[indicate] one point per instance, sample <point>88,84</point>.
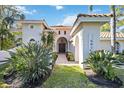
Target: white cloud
<point>68,20</point>
<point>25,10</point>
<point>58,7</point>
<point>97,10</point>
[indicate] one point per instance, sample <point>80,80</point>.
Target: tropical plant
<point>106,27</point>
<point>33,63</point>
<point>102,62</point>
<point>119,58</point>
<point>54,56</point>
<point>70,56</point>
<point>8,43</point>
<point>8,14</point>
<point>48,39</point>
<point>17,41</point>
<point>122,52</point>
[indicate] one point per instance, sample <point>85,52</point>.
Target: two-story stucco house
<point>80,39</point>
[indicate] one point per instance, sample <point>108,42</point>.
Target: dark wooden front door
<point>61,48</point>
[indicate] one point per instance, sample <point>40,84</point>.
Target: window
<point>64,32</point>
<point>59,32</point>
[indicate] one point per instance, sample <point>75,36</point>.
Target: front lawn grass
<point>67,77</point>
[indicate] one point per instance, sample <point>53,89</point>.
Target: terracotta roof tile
<point>108,35</point>
<point>94,15</point>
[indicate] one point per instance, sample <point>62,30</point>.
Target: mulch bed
<point>100,81</point>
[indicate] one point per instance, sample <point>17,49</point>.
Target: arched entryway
<point>77,48</point>
<point>62,45</point>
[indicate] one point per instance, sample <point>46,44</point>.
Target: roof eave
<point>88,19</point>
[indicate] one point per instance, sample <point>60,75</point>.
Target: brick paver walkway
<point>62,60</point>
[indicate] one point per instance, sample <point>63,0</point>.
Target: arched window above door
<point>32,40</point>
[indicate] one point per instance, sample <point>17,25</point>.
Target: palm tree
<point>113,25</point>
<point>8,14</point>
<point>113,29</point>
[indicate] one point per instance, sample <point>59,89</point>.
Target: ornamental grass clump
<point>32,62</point>
<point>102,62</point>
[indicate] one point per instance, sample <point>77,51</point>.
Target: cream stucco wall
<point>78,45</point>
<point>57,36</point>
<point>91,32</point>
<point>31,33</point>
<point>106,45</point>
<point>86,32</point>
<point>84,39</point>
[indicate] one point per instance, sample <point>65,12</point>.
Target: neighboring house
<point>80,39</point>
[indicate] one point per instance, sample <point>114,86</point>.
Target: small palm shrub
<point>54,55</point>
<point>119,58</point>
<point>102,62</point>
<point>122,52</point>
<point>32,62</point>
<point>70,56</point>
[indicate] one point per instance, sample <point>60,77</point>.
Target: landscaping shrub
<point>54,56</point>
<point>122,52</point>
<point>70,56</point>
<point>3,84</point>
<point>102,62</point>
<point>32,62</point>
<point>119,58</point>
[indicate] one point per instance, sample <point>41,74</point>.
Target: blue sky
<point>59,15</point>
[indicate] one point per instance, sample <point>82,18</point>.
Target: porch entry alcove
<point>62,45</point>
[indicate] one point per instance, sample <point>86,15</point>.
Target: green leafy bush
<point>32,62</point>
<point>70,56</point>
<point>54,55</point>
<point>119,58</point>
<point>3,67</point>
<point>122,52</point>
<point>102,62</point>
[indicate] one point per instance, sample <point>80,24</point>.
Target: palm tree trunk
<point>113,30</point>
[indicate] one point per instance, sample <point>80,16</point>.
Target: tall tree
<point>47,39</point>
<point>113,29</point>
<point>115,10</point>
<point>8,14</point>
